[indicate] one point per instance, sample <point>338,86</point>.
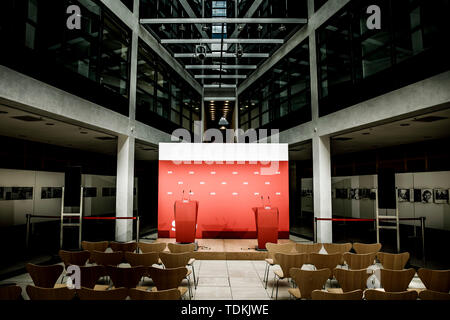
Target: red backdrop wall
<point>226,195</point>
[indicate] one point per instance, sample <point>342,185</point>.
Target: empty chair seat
<point>182,248</point>
<point>433,295</point>
<point>177,260</point>
<point>90,274</point>
<point>38,293</point>
<point>351,280</point>
<point>363,248</point>
<point>107,258</point>
<point>165,279</point>
<point>435,280</point>
<point>325,261</point>
<point>113,294</point>
<point>152,247</point>
<point>10,292</point>
<point>287,261</point>
<point>372,294</point>
<point>44,276</point>
<point>396,280</point>
<point>325,295</point>
<point>142,259</point>
<point>97,246</point>
<point>126,277</point>
<point>170,294</point>
<point>307,281</point>
<point>273,248</point>
<point>332,248</point>
<point>123,246</point>
<point>393,261</point>
<point>308,247</point>
<point>359,261</point>
<point>78,258</point>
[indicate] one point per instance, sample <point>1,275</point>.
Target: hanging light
<point>223,122</point>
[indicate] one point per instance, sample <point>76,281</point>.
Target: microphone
<point>262,200</point>
<point>190,192</point>
<point>182,197</point>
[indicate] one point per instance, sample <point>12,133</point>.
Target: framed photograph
<point>373,194</point>
<point>403,195</point>
<point>427,195</point>
<point>354,194</point>
<point>341,194</point>
<point>440,195</point>
<point>364,194</point>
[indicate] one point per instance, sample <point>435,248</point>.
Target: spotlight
<point>205,27</point>
<point>260,28</point>
<point>182,28</point>
<point>200,52</point>
<point>162,28</point>
<point>239,52</point>
<point>282,28</point>
<point>241,27</point>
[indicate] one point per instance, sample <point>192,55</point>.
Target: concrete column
<point>322,187</point>
<point>133,63</point>
<point>125,187</point>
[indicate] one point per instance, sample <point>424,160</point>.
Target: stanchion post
<point>137,232</point>
<point>422,225</point>
<point>315,230</point>
<point>27,238</point>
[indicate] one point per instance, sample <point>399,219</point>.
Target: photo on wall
<point>354,194</point>
<point>427,196</point>
<point>440,195</point>
<point>341,194</point>
<point>364,194</point>
<point>417,195</point>
<point>403,195</point>
<point>373,194</point>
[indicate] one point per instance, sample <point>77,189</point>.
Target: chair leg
<point>264,278</point>
<point>189,288</point>
<point>276,297</point>
<point>195,280</point>
<point>273,285</point>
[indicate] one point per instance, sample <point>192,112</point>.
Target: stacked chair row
<point>394,278</point>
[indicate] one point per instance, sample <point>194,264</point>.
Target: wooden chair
<point>97,246</point>
<point>10,292</point>
<point>107,258</point>
<point>393,261</point>
<point>396,280</point>
<point>307,281</point>
<point>273,248</point>
<point>44,276</point>
<point>38,293</point>
<point>177,260</point>
<point>325,295</point>
<point>359,261</point>
<point>433,295</point>
<point>308,248</point>
<point>332,248</point>
<point>325,261</point>
<point>363,248</point>
<point>165,279</point>
<point>286,262</point>
<point>142,259</point>
<point>90,275</point>
<point>372,294</point>
<point>78,258</point>
<point>170,294</point>
<point>113,294</point>
<point>351,280</point>
<point>126,277</point>
<point>435,280</point>
<point>123,246</point>
<point>152,247</point>
<point>182,248</point>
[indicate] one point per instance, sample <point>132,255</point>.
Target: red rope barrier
<point>85,218</point>
<point>359,219</point>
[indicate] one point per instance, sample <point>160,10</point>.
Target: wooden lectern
<point>185,220</point>
<point>266,225</point>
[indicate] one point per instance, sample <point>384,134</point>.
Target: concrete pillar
<point>322,187</point>
<point>125,187</point>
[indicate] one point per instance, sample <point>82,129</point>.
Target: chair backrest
<point>165,279</point>
<point>90,275</point>
<point>359,261</point>
<point>435,280</point>
<point>175,260</point>
<point>107,258</point>
<point>44,276</point>
<point>362,248</point>
<point>325,295</point>
<point>97,246</point>
<point>123,246</point>
<point>10,292</point>
<point>393,261</point>
<point>38,293</point>
<point>290,260</point>
<point>152,247</point>
<point>142,259</point>
<point>372,294</point>
<point>273,248</point>
<point>126,277</point>
<point>309,280</point>
<point>332,248</point>
<point>113,294</point>
<point>325,261</point>
<point>433,295</point>
<point>396,280</point>
<point>308,247</point>
<point>351,280</point>
<point>181,248</point>
<point>78,258</point>
<point>170,294</point>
